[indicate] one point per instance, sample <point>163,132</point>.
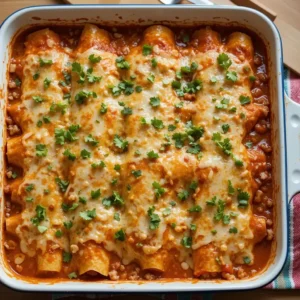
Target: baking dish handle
<point>293,145</point>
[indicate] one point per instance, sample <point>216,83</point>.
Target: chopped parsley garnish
<point>179,104</point>
<point>36,76</point>
<point>171,127</point>
<point>190,88</point>
<point>91,140</point>
<point>95,194</point>
<point>154,101</point>
<point>122,63</point>
<point>252,78</point>
<point>231,76</point>
<point>117,216</point>
<point>68,207</point>
<point>71,156</point>
<point>41,150</point>
<point>158,189</point>
<point>29,188</point>
<point>42,229</point>
<point>224,145</point>
<point>85,154</point>
<point>72,275</point>
<point>103,109</point>
<point>176,84</point>
<point>193,186</point>
<point>46,119</point>
<point>247,260</point>
<point>45,62</point>
<point>114,200</point>
<point>193,227</point>
<point>40,215</point>
<point>114,181</point>
<point>243,199</point>
<point>38,99</point>
<point>166,212</point>
<point>120,235</point>
<point>233,230</point>
<point>100,164</point>
<point>59,106</point>
<point>183,195</point>
<point>138,89</point>
<point>157,124</point>
<point>152,154</point>
<point>18,82</point>
<point>249,144</point>
<point>126,111</point>
<point>67,256</point>
<point>61,135</point>
<point>223,104</point>
<point>83,95</point>
<point>94,59</point>
<point>214,232</point>
<point>225,128</point>
<point>125,87</point>
<point>154,62</point>
<point>63,184</point>
<point>82,200</point>
<point>117,167</point>
<point>120,143</point>
<point>29,199</point>
<point>213,79</point>
<point>231,189</point>
<point>88,215</point>
<point>92,78</point>
<point>46,83</point>
<point>136,173</point>
<point>224,61</point>
<point>151,78</point>
<point>154,218</point>
<point>244,100</point>
<point>194,148</point>
<point>219,215</point>
<point>195,208</point>
<point>189,69</point>
<point>212,202</point>
<point>187,242</point>
<point>58,233</point>
<point>147,50</point>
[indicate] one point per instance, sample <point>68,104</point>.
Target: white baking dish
<point>175,15</point>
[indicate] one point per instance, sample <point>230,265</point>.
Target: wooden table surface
<point>9,6</point>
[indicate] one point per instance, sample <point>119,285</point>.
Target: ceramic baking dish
<point>285,183</point>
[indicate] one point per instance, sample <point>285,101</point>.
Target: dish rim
<point>160,286</point>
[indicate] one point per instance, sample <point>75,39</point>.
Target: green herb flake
<point>154,218</point>
<point>195,208</point>
<point>154,101</point>
<point>122,63</point>
<point>224,61</point>
<point>94,59</point>
<point>231,189</point>
<point>186,242</point>
<point>183,195</point>
<point>158,189</point>
<point>244,100</point>
<point>95,194</point>
<point>88,215</point>
<point>41,150</point>
<point>147,50</point>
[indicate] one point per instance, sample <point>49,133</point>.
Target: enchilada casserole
<point>138,154</point>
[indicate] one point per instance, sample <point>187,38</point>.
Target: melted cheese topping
<point>147,172</point>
